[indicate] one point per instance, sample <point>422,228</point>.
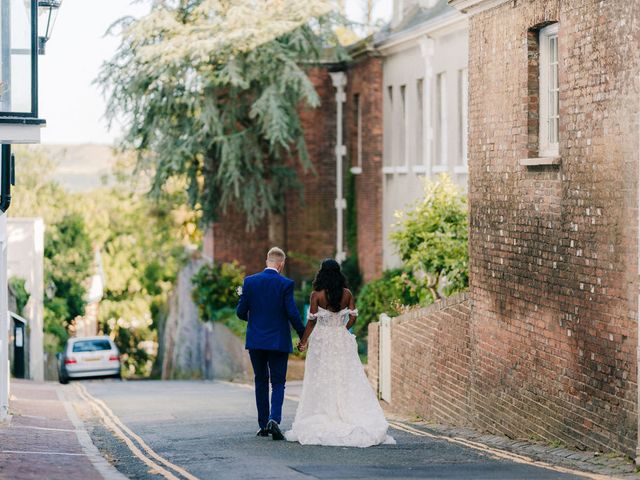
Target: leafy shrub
<point>215,289</point>
<point>396,289</point>
<point>301,296</point>
<point>432,237</point>
<point>351,270</point>
<point>19,291</point>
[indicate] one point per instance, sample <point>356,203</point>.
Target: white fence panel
<point>385,357</point>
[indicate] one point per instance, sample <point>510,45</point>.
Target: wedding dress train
<point>338,406</point>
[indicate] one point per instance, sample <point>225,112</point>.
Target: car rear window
<point>91,346</point>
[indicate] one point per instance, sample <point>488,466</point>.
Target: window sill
<point>390,170</point>
<point>439,168</point>
<point>540,161</point>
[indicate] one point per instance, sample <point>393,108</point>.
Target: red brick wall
<point>231,241</point>
<point>310,221</point>
<point>365,80</point>
<point>430,361</point>
<point>311,224</point>
<point>554,249</point>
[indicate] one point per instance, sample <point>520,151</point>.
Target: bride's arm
<point>353,313</point>
<point>311,321</point>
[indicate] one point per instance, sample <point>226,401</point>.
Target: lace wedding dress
<point>338,406</point>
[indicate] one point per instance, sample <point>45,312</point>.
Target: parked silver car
<point>89,357</point>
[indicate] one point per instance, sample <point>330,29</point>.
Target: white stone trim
<point>19,133</point>
<point>435,28</point>
<point>472,7</point>
<point>539,161</point>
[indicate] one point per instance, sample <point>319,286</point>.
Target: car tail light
<point>114,358</point>
<point>70,360</point>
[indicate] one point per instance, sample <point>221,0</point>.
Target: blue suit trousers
<point>269,366</point>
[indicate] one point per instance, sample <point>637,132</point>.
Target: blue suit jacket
<point>267,305</point>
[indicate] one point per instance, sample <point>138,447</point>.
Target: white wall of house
<point>425,112</point>
<point>26,260</point>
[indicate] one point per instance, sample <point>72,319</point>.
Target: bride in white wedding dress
<point>338,406</point>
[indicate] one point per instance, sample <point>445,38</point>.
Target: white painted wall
<point>26,260</point>
<point>405,63</point>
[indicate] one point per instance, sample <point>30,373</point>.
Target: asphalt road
<point>208,429</point>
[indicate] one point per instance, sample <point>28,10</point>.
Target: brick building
<point>364,142</point>
<point>424,54</point>
<point>308,228</point>
<point>545,345</point>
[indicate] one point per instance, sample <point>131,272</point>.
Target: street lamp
<point>47,13</point>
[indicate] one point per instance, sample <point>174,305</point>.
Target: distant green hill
<point>81,167</point>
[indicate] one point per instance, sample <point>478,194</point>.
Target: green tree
<point>143,247</point>
<point>68,258</point>
<point>431,238</point>
<point>211,93</point>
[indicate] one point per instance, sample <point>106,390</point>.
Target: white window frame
<point>548,87</point>
<point>421,132</point>
<point>440,160</point>
<point>387,166</point>
<point>463,119</point>
<point>403,140</point>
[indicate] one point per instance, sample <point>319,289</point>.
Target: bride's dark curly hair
<point>331,280</point>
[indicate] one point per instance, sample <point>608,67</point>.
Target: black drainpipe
<point>7,177</point>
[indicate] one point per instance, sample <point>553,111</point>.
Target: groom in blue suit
<point>267,304</point>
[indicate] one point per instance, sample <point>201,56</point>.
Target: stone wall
<point>194,349</point>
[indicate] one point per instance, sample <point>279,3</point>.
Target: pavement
<point>45,438</point>
<point>206,430</point>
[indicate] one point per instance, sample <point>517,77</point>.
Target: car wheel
<point>118,375</point>
<point>63,377</point>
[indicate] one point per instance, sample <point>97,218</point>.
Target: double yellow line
<point>136,444</point>
<point>496,453</point>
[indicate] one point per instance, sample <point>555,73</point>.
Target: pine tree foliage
<point>210,91</point>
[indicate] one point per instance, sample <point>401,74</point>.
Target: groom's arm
<point>292,310</point>
<point>242,310</point>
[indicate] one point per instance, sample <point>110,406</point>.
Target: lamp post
<point>47,14</point>
<point>19,123</point>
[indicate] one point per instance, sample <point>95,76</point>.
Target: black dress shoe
<point>263,432</point>
<point>274,430</point>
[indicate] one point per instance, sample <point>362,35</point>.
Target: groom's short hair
<point>276,255</point>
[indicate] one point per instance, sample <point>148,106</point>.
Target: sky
<point>69,101</point>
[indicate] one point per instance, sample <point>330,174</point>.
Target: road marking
<point>104,468</point>
<point>128,436</point>
<point>496,453</point>
<point>29,452</point>
<point>29,427</point>
<point>493,452</point>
